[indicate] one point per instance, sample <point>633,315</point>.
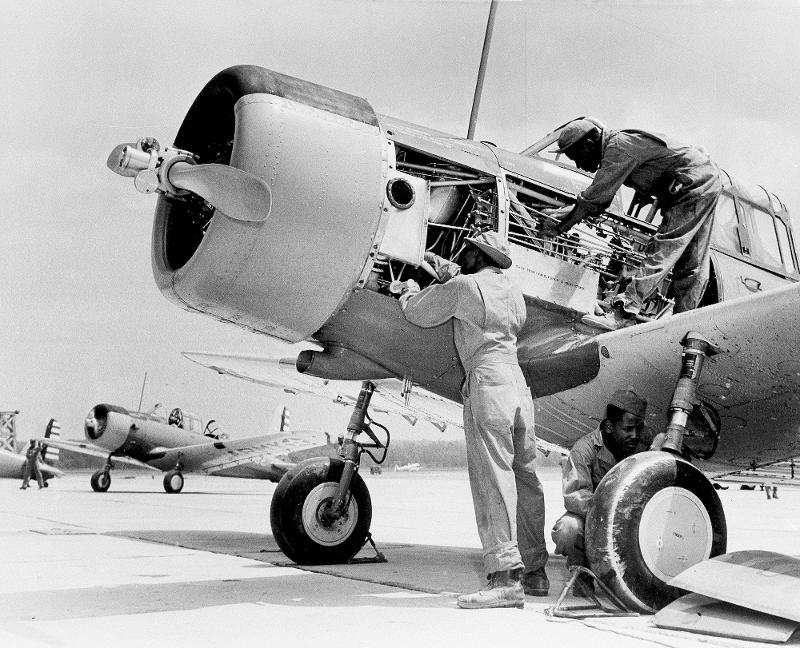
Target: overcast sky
<point>81,319</point>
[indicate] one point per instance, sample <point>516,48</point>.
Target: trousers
<point>31,469</point>
<point>501,448</point>
<point>569,535</point>
<point>681,244</point>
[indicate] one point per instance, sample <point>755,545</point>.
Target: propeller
<point>236,193</point>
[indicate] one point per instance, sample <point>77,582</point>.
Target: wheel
<point>173,481</point>
<point>295,514</point>
<point>652,516</point>
<point>46,485</point>
<point>100,481</point>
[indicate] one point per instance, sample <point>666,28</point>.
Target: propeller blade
<point>237,194</point>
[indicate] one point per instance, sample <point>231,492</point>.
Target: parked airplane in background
<point>409,467</point>
<point>178,443</point>
<point>11,463</point>
<point>296,211</point>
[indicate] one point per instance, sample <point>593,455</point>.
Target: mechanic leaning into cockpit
<point>619,435</point>
<point>684,180</point>
<point>488,312</point>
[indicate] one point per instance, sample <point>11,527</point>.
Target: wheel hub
<point>319,524</point>
<point>675,532</point>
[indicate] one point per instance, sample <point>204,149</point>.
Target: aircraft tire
<point>100,481</point>
<point>173,481</point>
<point>652,516</point>
<point>294,514</point>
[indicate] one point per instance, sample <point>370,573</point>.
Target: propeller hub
<point>238,194</point>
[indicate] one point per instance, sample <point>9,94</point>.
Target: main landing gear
<point>654,514</point>
<point>101,479</point>
<point>321,510</point>
<point>173,479</point>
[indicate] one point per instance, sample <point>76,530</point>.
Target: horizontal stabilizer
<point>703,615</point>
<point>764,581</point>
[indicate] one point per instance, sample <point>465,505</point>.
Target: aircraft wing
<point>753,381</point>
<point>85,448</point>
<point>280,373</point>
<point>389,396</point>
<point>259,457</point>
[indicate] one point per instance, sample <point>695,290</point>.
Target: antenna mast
<point>476,101</point>
<point>141,396</point>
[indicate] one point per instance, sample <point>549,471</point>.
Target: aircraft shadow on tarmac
<point>425,569</point>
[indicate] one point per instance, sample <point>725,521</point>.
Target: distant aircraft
<point>11,463</point>
<point>409,467</point>
<point>177,443</point>
<point>296,211</point>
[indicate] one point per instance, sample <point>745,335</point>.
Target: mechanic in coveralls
<point>488,311</point>
<point>686,183</point>
<point>618,436</point>
<point>31,466</point>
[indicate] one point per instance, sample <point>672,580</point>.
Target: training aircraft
<point>295,211</point>
<point>12,463</point>
<point>178,443</point>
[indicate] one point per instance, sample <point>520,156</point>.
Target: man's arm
<point>577,480</point>
<point>434,305</point>
<point>616,166</point>
<point>443,268</point>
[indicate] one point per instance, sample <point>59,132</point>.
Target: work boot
<point>535,582</point>
<point>503,590</point>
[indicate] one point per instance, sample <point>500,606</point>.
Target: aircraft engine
<point>284,264</point>
<point>108,426</point>
<point>133,433</point>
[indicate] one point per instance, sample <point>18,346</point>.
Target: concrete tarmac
<point>138,567</point>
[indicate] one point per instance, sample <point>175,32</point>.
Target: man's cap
<point>494,247</point>
<point>574,131</point>
<point>629,401</point>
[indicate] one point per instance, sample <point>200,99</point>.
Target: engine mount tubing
<point>349,451</point>
<point>695,350</point>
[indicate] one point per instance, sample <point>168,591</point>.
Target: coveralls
<point>686,183</point>
<point>31,467</point>
<point>488,311</point>
<point>588,462</point>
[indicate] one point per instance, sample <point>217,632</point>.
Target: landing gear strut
<point>321,510</point>
<point>101,480</point>
<point>654,514</point>
<point>173,479</point>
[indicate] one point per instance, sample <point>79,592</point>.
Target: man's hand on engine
<point>407,289</point>
<point>551,227</point>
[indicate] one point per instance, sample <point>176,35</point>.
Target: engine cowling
<point>108,426</point>
<point>323,156</point>
<point>134,434</point>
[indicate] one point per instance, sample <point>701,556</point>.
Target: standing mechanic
<point>31,466</point>
<point>488,311</point>
<point>686,183</point>
<point>618,436</point>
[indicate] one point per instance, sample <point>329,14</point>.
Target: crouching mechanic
<point>488,312</point>
<point>618,436</point>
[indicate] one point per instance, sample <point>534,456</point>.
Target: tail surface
<point>50,454</point>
